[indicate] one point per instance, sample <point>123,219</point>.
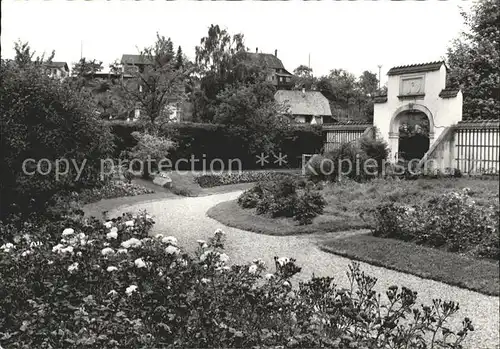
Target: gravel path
<point>186,220</point>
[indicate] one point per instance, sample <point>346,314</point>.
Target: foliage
<point>221,61</point>
<point>474,61</point>
<point>359,161</point>
<point>42,119</point>
<point>158,83</point>
<point>452,221</point>
<point>197,140</point>
<point>280,198</point>
<point>110,190</point>
<point>309,205</point>
<point>226,178</point>
<point>252,113</point>
<point>111,285</point>
<point>86,68</point>
<point>24,56</point>
<point>150,150</point>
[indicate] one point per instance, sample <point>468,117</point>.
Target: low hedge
<point>227,178</point>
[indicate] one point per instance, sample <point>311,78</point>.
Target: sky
<point>355,36</point>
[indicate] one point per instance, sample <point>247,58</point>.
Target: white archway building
<point>419,89</point>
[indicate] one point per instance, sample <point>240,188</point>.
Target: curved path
<point>186,220</point>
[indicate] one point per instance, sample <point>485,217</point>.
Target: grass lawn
<point>231,214</point>
<point>346,203</point>
<point>451,268</point>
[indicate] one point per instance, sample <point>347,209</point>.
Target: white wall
<point>443,111</point>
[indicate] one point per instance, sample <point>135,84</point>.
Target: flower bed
<point>453,221</point>
<point>226,178</point>
<point>112,189</point>
<point>110,285</point>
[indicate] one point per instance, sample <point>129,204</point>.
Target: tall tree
<point>86,68</point>
<point>160,83</point>
<point>303,78</point>
<point>368,83</point>
<point>24,55</point>
<point>474,60</point>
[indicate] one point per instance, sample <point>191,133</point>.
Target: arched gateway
<point>417,108</point>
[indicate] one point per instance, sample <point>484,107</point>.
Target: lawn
<point>347,202</point>
<point>451,268</point>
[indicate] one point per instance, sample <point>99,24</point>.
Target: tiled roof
<point>348,125</point>
<point>304,103</point>
<point>267,59</point>
<point>415,68</point>
<point>63,65</point>
<point>380,99</point>
<point>134,59</point>
<point>449,92</point>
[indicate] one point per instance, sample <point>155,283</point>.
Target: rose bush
<point>110,285</point>
<point>453,221</point>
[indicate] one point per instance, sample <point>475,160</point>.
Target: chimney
<point>256,50</point>
<point>275,53</point>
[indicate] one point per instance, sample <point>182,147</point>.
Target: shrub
<point>375,149</point>
<point>151,147</point>
<point>43,119</point>
<point>111,285</point>
<point>453,221</point>
<point>309,205</point>
<point>280,199</point>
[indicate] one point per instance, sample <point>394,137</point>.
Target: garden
<point>71,281</point>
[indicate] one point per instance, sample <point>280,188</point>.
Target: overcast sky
<point>356,36</point>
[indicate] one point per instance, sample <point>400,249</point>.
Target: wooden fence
<point>477,146</point>
<point>343,133</point>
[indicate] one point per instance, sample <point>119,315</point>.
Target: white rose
<point>112,293</point>
<point>131,289</point>
<point>169,240</point>
<point>224,258</point>
<point>112,235</point>
<point>132,242</point>
<point>26,253</point>
<point>129,223</point>
<point>172,250</point>
<point>73,267</point>
<point>139,263</point>
<point>68,231</point>
<point>7,247</point>
<point>252,269</point>
<point>122,250</point>
<point>111,268</point>
<point>68,249</point>
<point>107,251</point>
<point>269,276</point>
<point>108,224</point>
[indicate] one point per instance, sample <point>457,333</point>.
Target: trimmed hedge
<point>214,141</point>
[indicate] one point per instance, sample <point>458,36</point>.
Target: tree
<point>474,60</point>
<point>159,84</point>
<point>24,55</point>
<point>303,78</point>
<point>44,120</point>
<point>179,59</point>
<point>368,83</point>
<point>86,68</point>
<point>222,61</point>
<point>252,112</point>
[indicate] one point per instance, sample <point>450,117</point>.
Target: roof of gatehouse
<point>416,68</point>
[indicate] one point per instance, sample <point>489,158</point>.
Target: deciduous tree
<point>474,60</point>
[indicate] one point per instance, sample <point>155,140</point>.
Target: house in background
<point>57,70</point>
<point>305,107</point>
<point>133,63</point>
<point>278,75</point>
